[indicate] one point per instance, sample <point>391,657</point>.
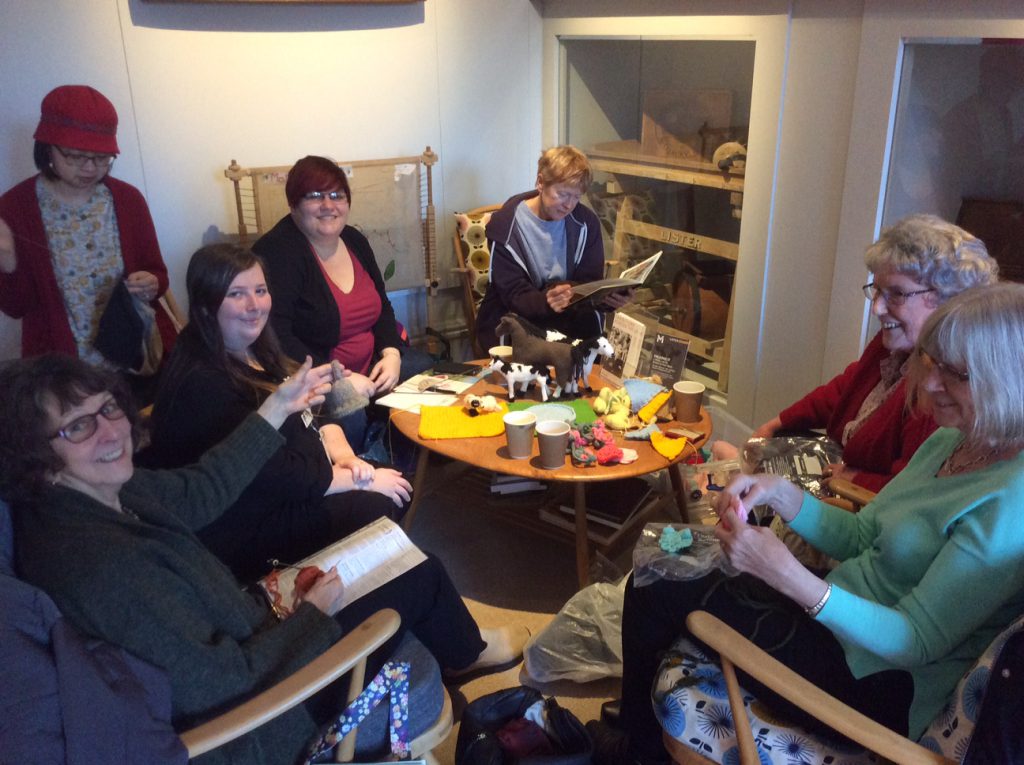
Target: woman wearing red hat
<point>71,233</point>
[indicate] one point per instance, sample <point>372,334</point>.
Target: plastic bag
<point>651,563</point>
<point>584,640</point>
<point>799,459</point>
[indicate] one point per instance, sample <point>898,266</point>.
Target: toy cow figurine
<point>520,374</point>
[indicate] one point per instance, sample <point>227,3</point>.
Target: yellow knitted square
<point>455,422</point>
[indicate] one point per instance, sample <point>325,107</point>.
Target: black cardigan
<point>305,316</point>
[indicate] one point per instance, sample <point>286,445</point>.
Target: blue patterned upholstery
<point>691,703</point>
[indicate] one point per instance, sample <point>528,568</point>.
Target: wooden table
<point>491,453</point>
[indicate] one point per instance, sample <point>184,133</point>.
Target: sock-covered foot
<point>504,650</point>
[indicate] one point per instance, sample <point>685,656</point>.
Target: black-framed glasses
<point>75,159</point>
<point>82,428</point>
<point>948,373</point>
<point>891,296</point>
<point>319,196</point>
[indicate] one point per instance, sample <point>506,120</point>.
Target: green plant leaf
<point>389,269</point>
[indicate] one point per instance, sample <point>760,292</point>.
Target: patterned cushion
<point>474,252</point>
<point>692,705</point>
<point>950,732</point>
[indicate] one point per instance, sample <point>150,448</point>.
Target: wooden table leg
<point>582,540</point>
<point>679,489</point>
<point>422,463</point>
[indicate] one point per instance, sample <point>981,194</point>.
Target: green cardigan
<point>932,570</point>
<point>150,586</point>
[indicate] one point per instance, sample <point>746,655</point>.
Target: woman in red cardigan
<point>917,264</point>
<point>71,233</point>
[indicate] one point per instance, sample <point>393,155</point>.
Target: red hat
<point>78,117</point>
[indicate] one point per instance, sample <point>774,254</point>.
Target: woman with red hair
<point>329,296</point>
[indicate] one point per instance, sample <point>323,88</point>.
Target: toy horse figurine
<point>585,353</point>
<point>530,346</point>
<point>522,374</point>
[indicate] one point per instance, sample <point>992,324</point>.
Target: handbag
<point>478,742</point>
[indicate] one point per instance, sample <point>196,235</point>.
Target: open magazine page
<point>366,559</point>
<point>433,390</point>
<point>633,276</point>
<point>641,270</point>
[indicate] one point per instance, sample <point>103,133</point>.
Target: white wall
<point>196,86</point>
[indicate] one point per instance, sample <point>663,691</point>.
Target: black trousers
<point>654,616</point>
<point>431,608</point>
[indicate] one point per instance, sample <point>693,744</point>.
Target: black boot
<point>611,747</point>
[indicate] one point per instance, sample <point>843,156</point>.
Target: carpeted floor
<point>506,573</point>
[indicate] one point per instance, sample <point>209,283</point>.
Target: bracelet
<point>814,610</point>
<point>397,352</point>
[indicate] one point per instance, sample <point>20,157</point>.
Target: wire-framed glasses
<point>891,296</point>
<point>75,159</point>
<point>82,428</point>
<point>949,374</point>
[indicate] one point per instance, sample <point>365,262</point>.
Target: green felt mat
<point>584,413</point>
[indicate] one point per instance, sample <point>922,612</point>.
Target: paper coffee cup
<point>552,438</point>
<point>687,397</point>
<point>519,428</point>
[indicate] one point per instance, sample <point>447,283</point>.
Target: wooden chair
<point>473,255</point>
<point>736,651</point>
<point>348,655</point>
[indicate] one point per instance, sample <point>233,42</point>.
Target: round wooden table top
<point>491,453</point>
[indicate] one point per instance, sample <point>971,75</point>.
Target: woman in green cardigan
<point>113,546</point>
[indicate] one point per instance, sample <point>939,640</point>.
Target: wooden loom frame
<point>250,215</point>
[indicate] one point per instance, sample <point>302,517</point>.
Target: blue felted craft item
<point>673,541</point>
<point>641,392</point>
<point>644,434</point>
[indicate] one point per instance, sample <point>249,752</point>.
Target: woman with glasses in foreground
<point>71,233</point>
<point>113,546</point>
<point>931,570</point>
<point>917,264</point>
<point>329,297</point>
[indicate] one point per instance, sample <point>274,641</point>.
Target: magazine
<point>668,356</point>
<point>633,276</point>
<point>365,559</point>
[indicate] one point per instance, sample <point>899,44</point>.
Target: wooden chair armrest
<point>343,656</point>
<point>858,495</point>
<point>804,694</point>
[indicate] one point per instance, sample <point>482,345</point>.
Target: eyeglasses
<point>319,196</point>
<point>568,197</point>
<point>949,374</point>
<point>891,297</point>
<point>79,160</point>
<point>83,428</point>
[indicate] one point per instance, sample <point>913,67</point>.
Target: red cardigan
<point>31,293</point>
<point>886,441</point>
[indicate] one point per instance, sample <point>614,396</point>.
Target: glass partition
<point>664,122</point>
<point>958,143</point>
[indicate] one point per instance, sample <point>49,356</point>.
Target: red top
<point>358,310</point>
<point>885,441</point>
